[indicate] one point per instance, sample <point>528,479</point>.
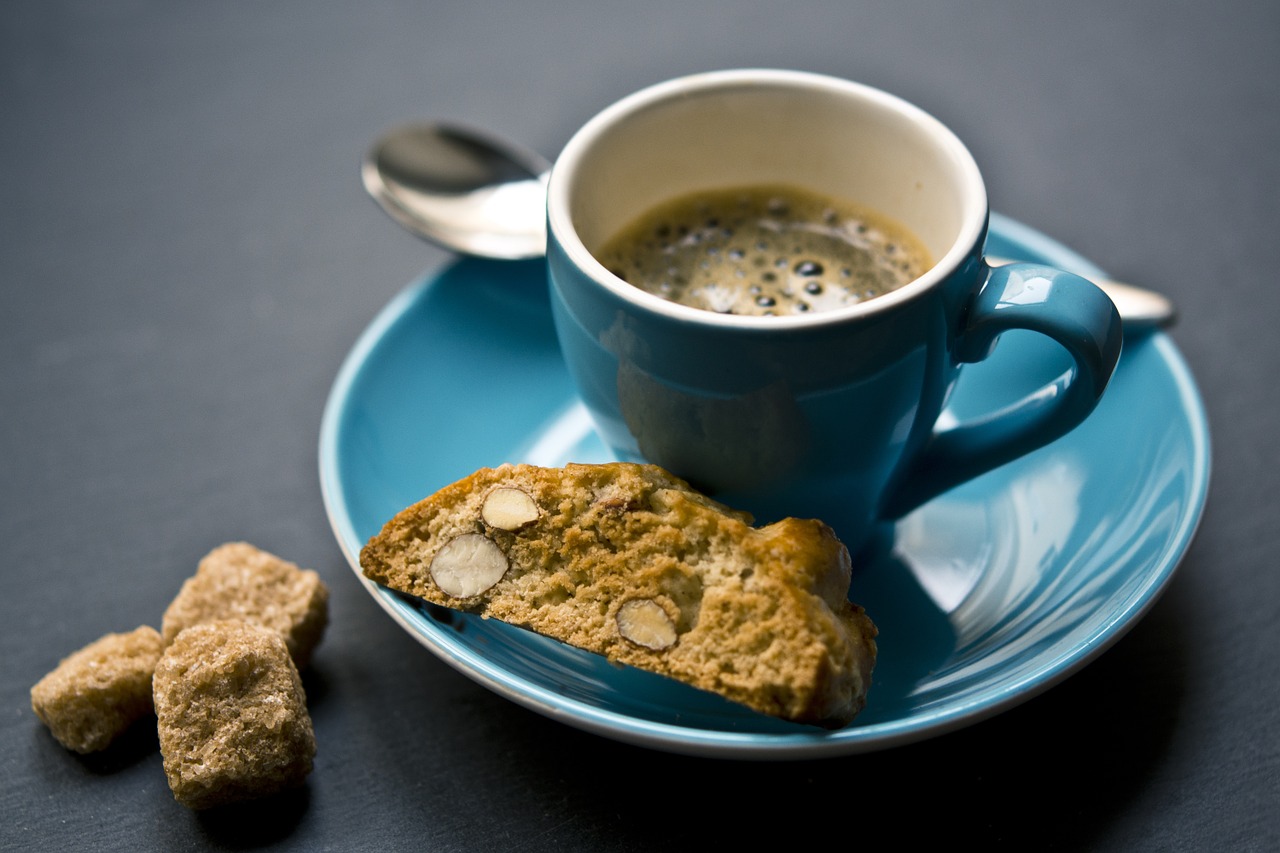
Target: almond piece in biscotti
<point>644,622</point>
<point>468,565</point>
<point>508,508</point>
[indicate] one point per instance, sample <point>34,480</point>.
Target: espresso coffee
<point>764,250</point>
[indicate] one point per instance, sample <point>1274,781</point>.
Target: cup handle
<point>1069,309</point>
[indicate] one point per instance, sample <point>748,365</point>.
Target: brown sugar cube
<point>232,715</point>
<point>95,694</point>
<point>239,581</point>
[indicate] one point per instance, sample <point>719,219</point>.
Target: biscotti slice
<point>240,581</point>
<point>95,694</point>
<point>231,715</point>
<point>628,561</point>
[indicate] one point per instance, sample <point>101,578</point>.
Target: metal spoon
<point>478,194</point>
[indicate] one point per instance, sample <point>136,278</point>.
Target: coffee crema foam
<point>765,251</point>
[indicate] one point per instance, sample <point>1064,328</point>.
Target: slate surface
<point>186,256</point>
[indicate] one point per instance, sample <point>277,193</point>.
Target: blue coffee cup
<point>832,415</point>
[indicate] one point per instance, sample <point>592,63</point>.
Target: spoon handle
<point>1139,307</point>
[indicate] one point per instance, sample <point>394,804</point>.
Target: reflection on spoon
<point>477,194</point>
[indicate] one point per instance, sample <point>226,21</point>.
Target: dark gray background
<point>186,256</point>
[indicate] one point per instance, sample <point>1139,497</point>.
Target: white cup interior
<point>725,129</point>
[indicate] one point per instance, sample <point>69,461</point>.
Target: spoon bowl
<point>478,194</point>
<point>461,188</point>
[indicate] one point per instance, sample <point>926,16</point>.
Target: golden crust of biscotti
<point>231,715</point>
<point>98,692</point>
<point>240,581</point>
<point>628,561</point>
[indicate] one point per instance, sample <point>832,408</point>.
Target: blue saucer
<point>984,597</point>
